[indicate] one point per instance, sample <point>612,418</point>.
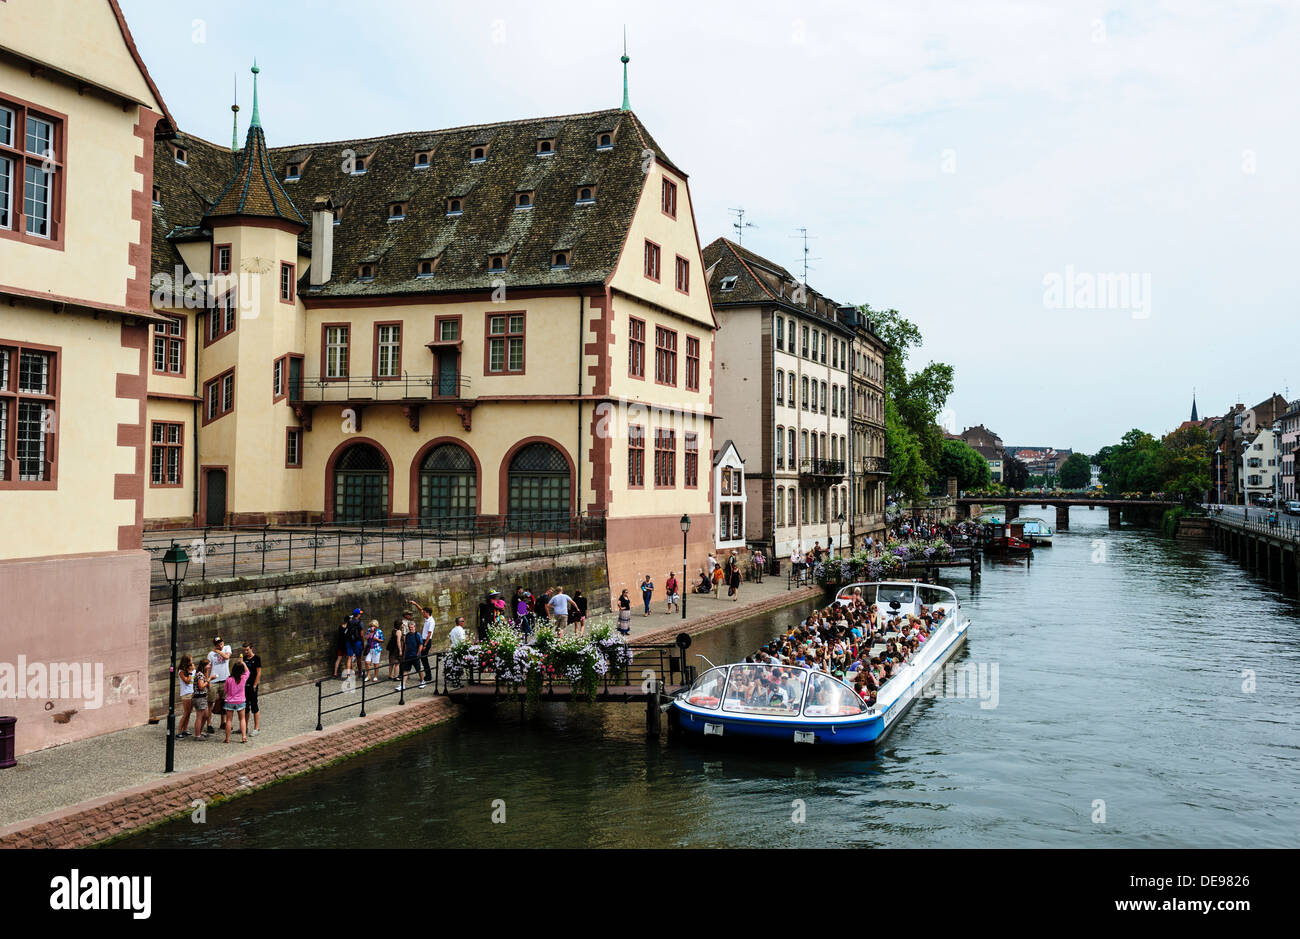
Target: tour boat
<point>1036,531</point>
<point>1008,539</point>
<point>793,704</point>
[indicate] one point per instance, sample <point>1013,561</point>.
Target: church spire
<point>1194,417</point>
<point>257,120</point>
<point>627,105</point>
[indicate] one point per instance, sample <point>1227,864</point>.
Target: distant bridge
<point>1062,504</point>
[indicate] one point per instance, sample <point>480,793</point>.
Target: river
<point>1125,717</point>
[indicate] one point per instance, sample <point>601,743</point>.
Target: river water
<point>1125,717</point>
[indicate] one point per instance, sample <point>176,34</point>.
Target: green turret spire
<point>627,105</point>
<point>234,120</point>
<point>257,120</point>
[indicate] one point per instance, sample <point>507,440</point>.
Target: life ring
<point>703,701</point>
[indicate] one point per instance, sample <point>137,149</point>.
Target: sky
<point>1088,208</point>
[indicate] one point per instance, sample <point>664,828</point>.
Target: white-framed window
<point>388,344</point>
<point>336,352</point>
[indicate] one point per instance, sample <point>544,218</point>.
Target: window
<point>692,467</point>
<point>665,458</point>
<point>449,329</point>
<point>670,198</point>
<point>780,387</point>
<point>277,378</point>
<point>505,344</point>
<point>803,342</point>
<point>165,456</point>
<point>780,506</point>
<point>823,358</point>
<point>789,517</point>
<point>219,397</point>
<point>790,396</point>
<point>293,447</point>
<point>366,272</point>
<point>425,269</point>
<point>780,333</point>
<point>605,142</point>
<point>803,445</point>
<point>335,351</point>
<point>291,172</point>
<point>635,455</point>
<point>560,261</point>
<point>182,156</point>
<point>169,347</point>
<point>477,154</point>
<point>546,147</point>
<point>422,160</point>
<point>780,448</point>
<point>338,214</point>
<point>388,350</point>
<point>683,274</point>
<point>844,402</point>
<point>221,264</point>
<point>359,166</point>
<point>728,283</point>
<point>823,394</point>
<point>28,404</point>
<point>287,281</point>
<point>651,260</point>
<point>665,356</point>
<point>524,200</point>
<point>454,207</point>
<point>636,348</point>
<point>803,393</point>
<point>835,401</point>
<point>222,318</point>
<point>586,195</point>
<point>157,195</point>
<point>396,211</point>
<point>497,262</point>
<point>692,364</point>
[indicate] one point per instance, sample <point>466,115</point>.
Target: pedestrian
<point>185,675</point>
<point>235,702</point>
<point>796,561</point>
<point>559,605</point>
<point>718,575</point>
<point>426,642</point>
<point>733,587</point>
<point>580,605</point>
<point>410,655</point>
<point>759,563</point>
<point>253,662</point>
<point>341,647</point>
<point>395,649</point>
<point>457,634</point>
<point>671,589</point>
<point>355,634</point>
<point>647,592</point>
<point>201,712</point>
<point>219,659</point>
<point>624,613</point>
<point>374,646</point>
<point>713,563</point>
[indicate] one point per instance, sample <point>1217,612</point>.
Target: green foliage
<point>1075,471</point>
<point>1179,465</point>
<point>958,458</point>
<point>1014,472</point>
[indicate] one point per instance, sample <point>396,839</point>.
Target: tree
<point>1185,464</point>
<point>958,458</point>
<point>1014,472</point>
<point>1075,471</point>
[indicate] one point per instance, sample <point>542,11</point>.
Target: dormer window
<point>454,207</point>
<point>728,283</point>
<point>586,195</point>
<point>359,166</point>
<point>497,262</point>
<point>523,200</point>
<point>422,160</point>
<point>292,171</point>
<point>182,156</point>
<point>425,269</point>
<point>605,142</point>
<point>478,154</point>
<point>338,214</point>
<point>366,272</point>
<point>157,196</point>
<point>546,147</point>
<point>560,261</point>
<point>396,211</point>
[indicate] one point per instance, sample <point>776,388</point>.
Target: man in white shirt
<point>220,659</point>
<point>559,607</point>
<point>458,631</point>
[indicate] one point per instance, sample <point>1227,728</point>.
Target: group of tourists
<point>217,686</point>
<point>859,643</point>
<point>552,607</point>
<point>361,646</point>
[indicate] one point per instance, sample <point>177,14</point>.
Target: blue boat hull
<point>846,733</point>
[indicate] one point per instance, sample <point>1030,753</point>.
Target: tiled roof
<point>188,192</point>
<point>255,190</point>
<point>489,223</point>
<point>758,280</point>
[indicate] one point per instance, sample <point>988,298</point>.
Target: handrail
<point>310,389</point>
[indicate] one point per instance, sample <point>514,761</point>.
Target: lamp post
<point>686,526</point>
<point>841,521</point>
<point>175,563</point>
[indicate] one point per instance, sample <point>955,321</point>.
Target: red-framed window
<point>665,458</point>
<point>503,352</point>
<point>280,379</point>
<point>388,350</point>
<point>293,447</point>
<point>651,260</point>
<point>169,347</point>
<point>691,470</point>
<point>665,356</point>
<point>221,257</point>
<point>335,351</point>
<point>32,149</point>
<point>670,198</point>
<point>219,396</point>
<point>29,401</point>
<point>635,456</point>
<point>692,364</point>
<point>683,274</point>
<point>167,455</point>
<point>636,347</point>
<point>222,318</point>
<point>288,281</point>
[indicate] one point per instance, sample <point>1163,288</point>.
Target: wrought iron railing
<point>822,467</point>
<point>319,389</point>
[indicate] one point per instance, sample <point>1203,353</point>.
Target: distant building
<point>1259,465</point>
<point>988,445</point>
<point>1290,436</point>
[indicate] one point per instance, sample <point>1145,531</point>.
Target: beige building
<point>78,113</point>
<point>868,464</point>
<point>502,321</point>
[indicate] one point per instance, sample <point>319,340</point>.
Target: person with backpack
<point>410,656</point>
<point>394,648</point>
<point>355,630</point>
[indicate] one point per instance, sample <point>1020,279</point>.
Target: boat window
<point>707,690</point>
<point>830,698</point>
<point>887,594</point>
<point>933,596</point>
<point>764,689</point>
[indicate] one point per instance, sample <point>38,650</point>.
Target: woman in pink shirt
<point>236,703</point>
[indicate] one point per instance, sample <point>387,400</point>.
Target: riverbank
<point>98,789</point>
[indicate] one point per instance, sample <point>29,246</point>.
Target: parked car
<point>1293,507</point>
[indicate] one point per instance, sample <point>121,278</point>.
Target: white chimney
<point>322,241</point>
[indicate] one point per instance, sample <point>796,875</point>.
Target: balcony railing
<point>822,468</point>
<point>447,386</point>
<point>873,464</point>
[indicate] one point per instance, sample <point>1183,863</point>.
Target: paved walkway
<point>63,776</point>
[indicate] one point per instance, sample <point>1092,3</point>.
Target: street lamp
<point>686,526</point>
<point>841,521</point>
<point>175,563</point>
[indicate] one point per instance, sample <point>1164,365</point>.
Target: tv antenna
<point>740,224</point>
<point>807,266</point>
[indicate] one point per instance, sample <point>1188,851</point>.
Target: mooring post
<point>653,715</point>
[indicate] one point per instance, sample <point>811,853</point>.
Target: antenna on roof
<point>803,232</point>
<point>234,119</point>
<point>740,224</point>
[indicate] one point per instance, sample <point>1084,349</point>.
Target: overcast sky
<point>976,165</point>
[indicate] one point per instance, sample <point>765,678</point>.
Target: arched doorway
<point>538,489</point>
<point>360,485</point>
<point>448,488</point>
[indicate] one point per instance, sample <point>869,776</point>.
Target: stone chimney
<point>322,240</point>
